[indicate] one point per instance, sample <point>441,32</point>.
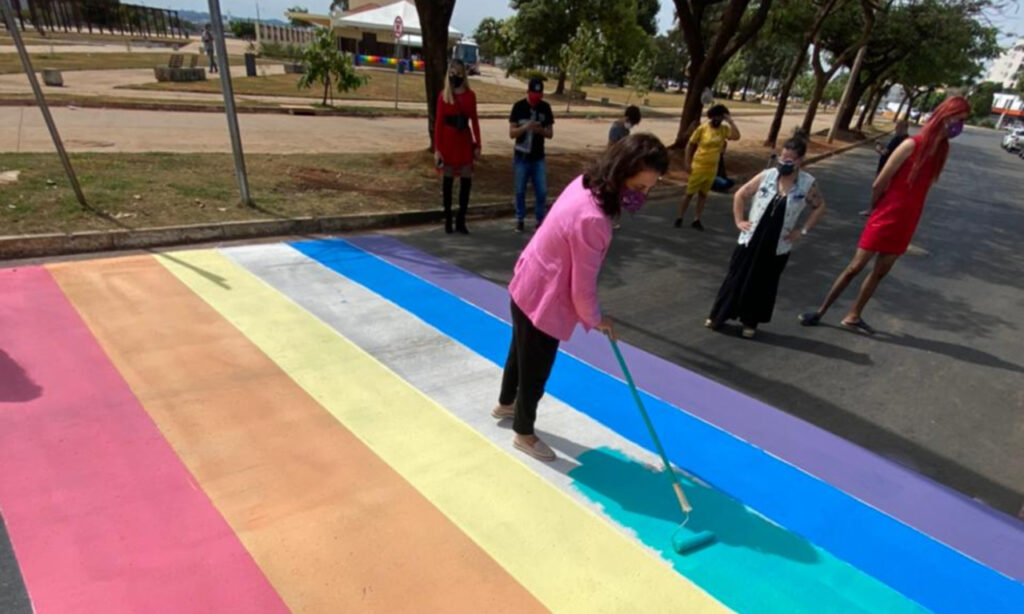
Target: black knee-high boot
<point>446,200</point>
<point>465,184</point>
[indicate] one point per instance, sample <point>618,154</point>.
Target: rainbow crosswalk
<point>305,427</point>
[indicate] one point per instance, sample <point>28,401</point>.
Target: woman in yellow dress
<point>702,155</point>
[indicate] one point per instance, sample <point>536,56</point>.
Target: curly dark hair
<point>719,110</point>
<point>606,176</point>
<point>633,114</point>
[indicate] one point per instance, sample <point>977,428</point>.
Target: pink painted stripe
<point>102,514</point>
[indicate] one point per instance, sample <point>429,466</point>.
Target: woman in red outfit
<point>897,199</point>
<point>455,146</point>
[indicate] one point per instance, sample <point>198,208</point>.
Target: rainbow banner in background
<point>377,60</point>
<point>306,427</point>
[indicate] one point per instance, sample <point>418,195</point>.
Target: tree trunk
<point>845,114</point>
<point>864,112</point>
<point>878,100</point>
<point>783,99</point>
<point>899,109</point>
<point>691,105</point>
<point>435,15</point>
<point>868,105</point>
<point>560,87</point>
<point>746,87</point>
<point>812,105</point>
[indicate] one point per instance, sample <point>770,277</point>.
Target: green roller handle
<point>676,486</point>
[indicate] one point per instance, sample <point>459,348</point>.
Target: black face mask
<point>455,81</point>
<point>716,122</point>
<point>787,167</point>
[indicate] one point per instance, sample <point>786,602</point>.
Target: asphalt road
<point>939,389</point>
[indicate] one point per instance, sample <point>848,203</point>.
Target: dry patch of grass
<point>381,86</point>
<point>157,189</point>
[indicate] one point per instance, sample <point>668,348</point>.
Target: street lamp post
<point>217,22</point>
<point>26,63</point>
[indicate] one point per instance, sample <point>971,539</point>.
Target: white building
<point>1009,108</point>
<point>366,28</point>
<point>1006,68</point>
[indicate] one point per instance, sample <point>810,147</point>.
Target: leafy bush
<point>282,51</point>
<point>325,64</point>
<point>245,30</point>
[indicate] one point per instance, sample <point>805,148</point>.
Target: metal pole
<point>848,92</point>
<point>229,100</point>
<point>398,61</point>
<point>8,15</point>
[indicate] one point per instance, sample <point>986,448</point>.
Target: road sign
<point>399,27</point>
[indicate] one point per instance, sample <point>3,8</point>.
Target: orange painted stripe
<point>332,526</point>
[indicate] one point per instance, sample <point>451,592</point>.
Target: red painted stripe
<point>102,514</point>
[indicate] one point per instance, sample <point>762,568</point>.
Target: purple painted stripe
<point>932,508</point>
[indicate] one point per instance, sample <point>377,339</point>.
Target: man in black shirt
<point>530,123</point>
<point>899,136</point>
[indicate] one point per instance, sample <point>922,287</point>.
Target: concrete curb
<point>57,244</point>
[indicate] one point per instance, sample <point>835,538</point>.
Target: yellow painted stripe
<point>567,556</point>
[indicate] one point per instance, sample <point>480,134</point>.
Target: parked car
<point>1014,140</point>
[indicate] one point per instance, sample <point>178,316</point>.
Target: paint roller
<point>683,540</point>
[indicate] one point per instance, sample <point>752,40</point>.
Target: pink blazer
<point>555,281</point>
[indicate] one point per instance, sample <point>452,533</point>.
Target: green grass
<point>178,189</point>
<point>624,95</point>
<point>381,86</point>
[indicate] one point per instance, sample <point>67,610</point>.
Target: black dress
<point>748,292</point>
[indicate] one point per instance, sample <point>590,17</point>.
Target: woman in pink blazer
<point>555,281</point>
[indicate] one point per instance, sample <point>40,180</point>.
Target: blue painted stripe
<point>947,516</point>
<point>917,566</point>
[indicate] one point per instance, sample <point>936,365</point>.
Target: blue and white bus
<point>467,51</point>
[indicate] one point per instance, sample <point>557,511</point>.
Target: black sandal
<point>860,326</point>
<point>811,318</point>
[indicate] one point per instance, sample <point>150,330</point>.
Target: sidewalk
<point>104,130</point>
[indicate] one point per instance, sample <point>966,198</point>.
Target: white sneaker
<point>500,412</point>
<point>539,450</point>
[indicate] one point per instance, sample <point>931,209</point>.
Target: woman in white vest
<point>780,195</point>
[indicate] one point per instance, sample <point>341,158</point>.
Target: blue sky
<point>468,13</point>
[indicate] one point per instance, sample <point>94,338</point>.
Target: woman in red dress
<point>455,146</point>
<point>897,198</point>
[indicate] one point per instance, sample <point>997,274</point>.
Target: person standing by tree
<point>456,142</point>
<point>884,152</point>
<point>702,156</point>
<point>530,123</point>
<point>897,197</point>
<point>899,135</point>
<point>207,39</point>
<point>621,127</point>
<point>779,196</point>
